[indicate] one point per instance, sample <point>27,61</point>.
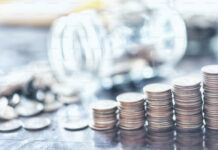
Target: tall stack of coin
<point>131,110</point>
<point>104,115</point>
<point>159,107</point>
<point>188,103</point>
<point>210,86</point>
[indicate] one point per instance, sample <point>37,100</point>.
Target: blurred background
<point>115,41</point>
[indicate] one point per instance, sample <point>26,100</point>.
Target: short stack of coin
<point>210,86</point>
<point>104,115</point>
<point>131,110</point>
<point>188,103</point>
<point>159,107</point>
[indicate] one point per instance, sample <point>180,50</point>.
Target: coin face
<point>210,69</point>
<point>27,109</point>
<point>36,123</point>
<point>10,125</point>
<point>186,81</point>
<point>76,124</point>
<point>156,88</point>
<point>104,105</point>
<point>130,97</point>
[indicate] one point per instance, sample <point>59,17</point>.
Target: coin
<point>76,124</point>
<point>104,115</point>
<point>130,97</point>
<point>188,103</point>
<point>104,105</point>
<point>159,106</point>
<point>29,108</point>
<point>10,125</point>
<point>131,110</point>
<point>210,86</point>
<point>210,69</point>
<point>7,113</point>
<point>36,123</point>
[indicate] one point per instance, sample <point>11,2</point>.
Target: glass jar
<point>129,40</point>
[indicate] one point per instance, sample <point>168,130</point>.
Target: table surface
<point>27,44</point>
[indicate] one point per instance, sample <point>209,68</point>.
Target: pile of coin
<point>211,139</point>
<point>159,107</point>
<point>131,110</point>
<point>210,86</point>
<point>188,103</point>
<point>104,115</point>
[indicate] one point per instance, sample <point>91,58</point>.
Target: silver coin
<point>130,97</point>
<point>7,113</point>
<point>76,124</point>
<point>104,105</point>
<point>53,106</point>
<point>27,109</point>
<point>69,99</point>
<point>15,100</point>
<point>10,125</point>
<point>157,88</point>
<point>36,123</point>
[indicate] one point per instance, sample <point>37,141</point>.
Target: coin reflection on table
<point>133,139</point>
<point>105,138</point>
<point>211,139</point>
<point>161,139</point>
<point>189,140</point>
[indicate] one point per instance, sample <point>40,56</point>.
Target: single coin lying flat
<point>76,124</point>
<point>10,125</point>
<point>36,123</point>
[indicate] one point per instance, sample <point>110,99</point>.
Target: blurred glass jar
<point>129,40</point>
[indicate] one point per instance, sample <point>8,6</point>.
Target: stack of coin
<point>210,86</point>
<point>159,107</point>
<point>131,110</point>
<point>104,115</point>
<point>188,103</point>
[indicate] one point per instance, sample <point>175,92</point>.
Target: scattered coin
<point>188,103</point>
<point>104,115</point>
<point>10,125</point>
<point>36,123</point>
<point>131,110</point>
<point>29,108</point>
<point>3,101</point>
<point>7,113</point>
<point>159,107</point>
<point>76,124</point>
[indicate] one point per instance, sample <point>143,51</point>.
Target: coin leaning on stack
<point>159,107</point>
<point>131,110</point>
<point>210,86</point>
<point>188,103</point>
<point>104,115</point>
